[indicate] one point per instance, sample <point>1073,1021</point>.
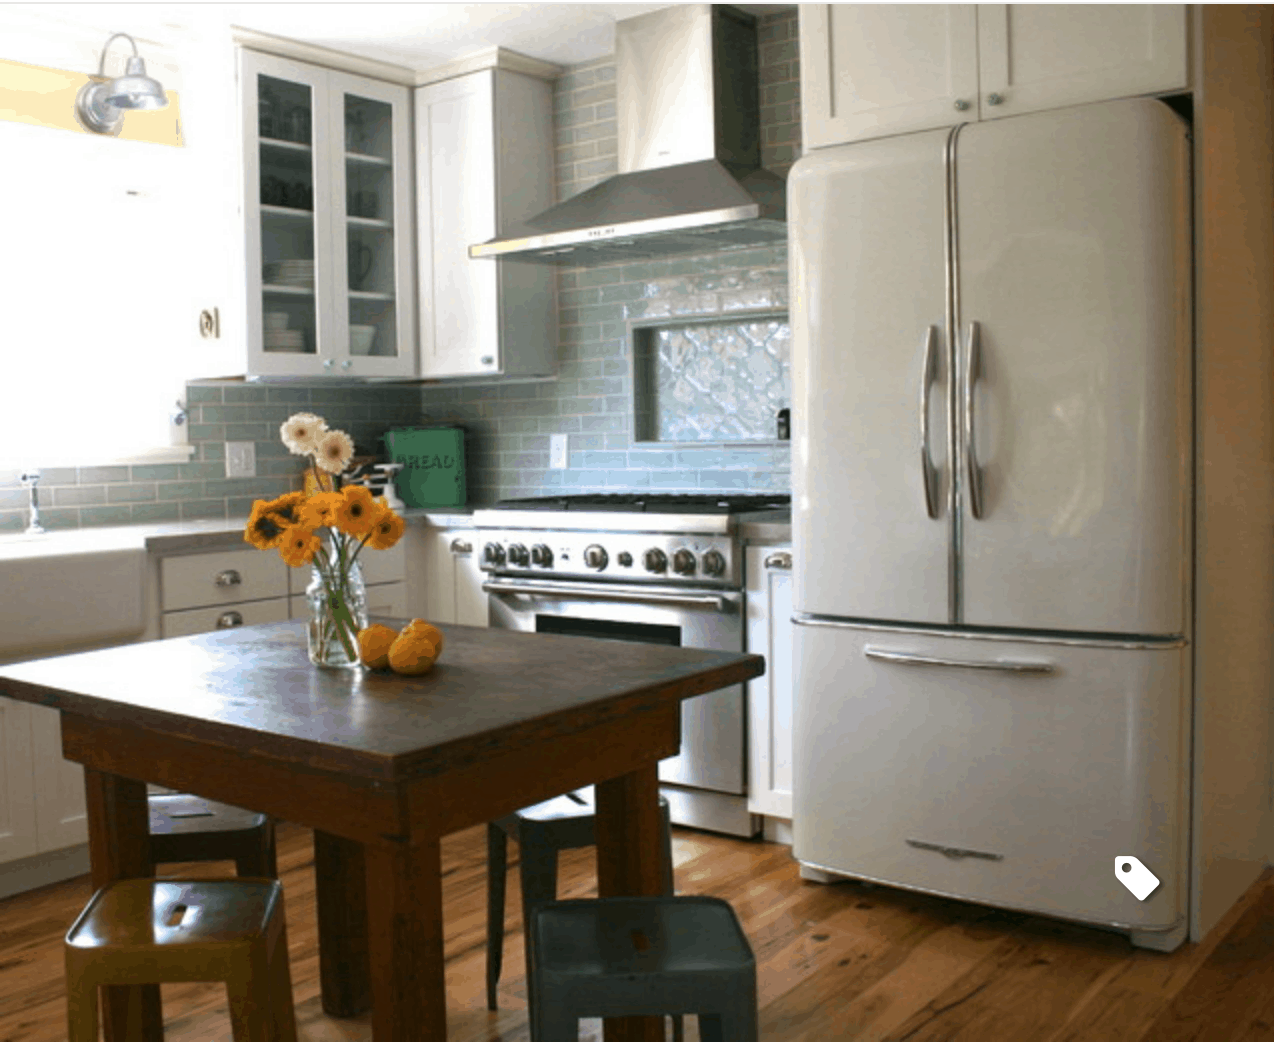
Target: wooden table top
<point>253,689</point>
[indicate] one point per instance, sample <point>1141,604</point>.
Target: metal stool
<point>142,931</point>
<point>542,831</point>
<point>673,955</point>
<point>187,829</point>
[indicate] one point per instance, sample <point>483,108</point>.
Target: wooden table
<point>381,767</point>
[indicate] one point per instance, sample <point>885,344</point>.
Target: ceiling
<point>424,36</point>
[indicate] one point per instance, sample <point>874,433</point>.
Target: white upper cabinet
<point>484,162</point>
<point>328,209</point>
<point>869,70</point>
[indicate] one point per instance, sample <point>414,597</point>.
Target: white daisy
<point>334,451</point>
<point>301,433</point>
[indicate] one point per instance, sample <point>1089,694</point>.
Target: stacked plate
<point>289,273</point>
<point>285,340</point>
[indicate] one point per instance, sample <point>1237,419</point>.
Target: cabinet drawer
<point>221,578</point>
<point>197,621</point>
<point>379,567</point>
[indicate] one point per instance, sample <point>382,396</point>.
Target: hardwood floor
<point>837,962</point>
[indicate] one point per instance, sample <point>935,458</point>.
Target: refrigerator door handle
<point>971,373</point>
<point>916,659</point>
<point>928,371</point>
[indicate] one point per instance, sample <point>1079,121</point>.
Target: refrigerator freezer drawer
<point>1006,772</point>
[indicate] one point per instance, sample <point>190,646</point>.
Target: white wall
<point>111,247</point>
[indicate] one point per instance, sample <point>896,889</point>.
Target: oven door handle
<point>619,594</point>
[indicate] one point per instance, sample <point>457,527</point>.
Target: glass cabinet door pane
<point>369,220</point>
<point>285,122</point>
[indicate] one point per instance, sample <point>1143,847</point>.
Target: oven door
<point>712,726</point>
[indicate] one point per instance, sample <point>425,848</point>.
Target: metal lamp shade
<point>135,90</point>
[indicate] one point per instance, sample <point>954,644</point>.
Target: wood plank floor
<point>839,962</point>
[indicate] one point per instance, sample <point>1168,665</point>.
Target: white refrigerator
<point>991,511</point>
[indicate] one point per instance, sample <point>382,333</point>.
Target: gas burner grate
<point>663,503</point>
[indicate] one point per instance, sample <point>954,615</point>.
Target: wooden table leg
<point>119,847</point>
<point>404,934</point>
<point>341,908</point>
<point>628,825</point>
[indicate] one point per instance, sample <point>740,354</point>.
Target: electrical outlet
<point>559,450</point>
<point>241,459</point>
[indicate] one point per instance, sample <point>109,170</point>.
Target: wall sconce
<point>100,104</point>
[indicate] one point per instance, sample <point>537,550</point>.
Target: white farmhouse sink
<point>68,590</point>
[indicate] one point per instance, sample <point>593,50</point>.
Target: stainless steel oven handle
<point>614,594</point>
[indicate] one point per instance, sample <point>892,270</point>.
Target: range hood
<point>690,176</point>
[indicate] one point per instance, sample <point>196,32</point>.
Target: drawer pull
<point>233,618</point>
<point>779,560</point>
<point>228,578</point>
<point>461,547</point>
<point>917,660</point>
<point>954,853</point>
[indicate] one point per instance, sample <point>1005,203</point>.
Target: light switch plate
<point>559,450</point>
<point>241,459</point>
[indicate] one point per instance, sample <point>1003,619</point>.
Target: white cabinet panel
<point>1074,261</point>
<point>483,163</point>
<point>769,633</point>
<point>452,584</point>
<point>1019,790</point>
<point>240,614</point>
<point>220,578</point>
<point>17,797</point>
<point>871,70</point>
<point>868,70</point>
<point>387,599</point>
<point>867,226</point>
<point>60,816</point>
<point>1046,56</point>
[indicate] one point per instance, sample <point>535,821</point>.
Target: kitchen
<point>510,424</point>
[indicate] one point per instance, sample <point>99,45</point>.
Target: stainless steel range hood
<point>690,176</point>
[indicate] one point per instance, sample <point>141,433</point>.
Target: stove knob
<point>713,563</point>
<point>595,556</point>
<point>625,559</point>
<point>654,560</point>
<point>518,555</point>
<point>683,562</point>
<point>541,556</point>
<point>493,554</point>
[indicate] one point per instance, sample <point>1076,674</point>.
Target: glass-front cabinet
<point>327,182</point>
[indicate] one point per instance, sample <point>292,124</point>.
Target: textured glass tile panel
<point>713,381</point>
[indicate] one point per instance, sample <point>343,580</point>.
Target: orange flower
<point>298,545</point>
<point>387,529</point>
<point>264,529</point>
<point>356,514</point>
<point>286,506</point>
<point>320,509</point>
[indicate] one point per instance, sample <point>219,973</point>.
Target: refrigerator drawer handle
<point>599,591</point>
<point>971,374</point>
<point>915,659</point>
<point>954,853</point>
<point>928,371</point>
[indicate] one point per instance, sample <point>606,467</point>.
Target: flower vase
<point>338,611</point>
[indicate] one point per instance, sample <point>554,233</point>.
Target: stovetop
<point>660,503</point>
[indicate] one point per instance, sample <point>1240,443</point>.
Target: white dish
<point>361,338</point>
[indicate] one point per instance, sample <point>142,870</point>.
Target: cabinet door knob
<point>779,560</point>
<point>487,360</point>
<point>228,578</point>
<point>994,99</point>
<point>961,105</point>
<point>327,364</point>
<point>233,618</point>
<point>346,364</point>
<point>461,547</point>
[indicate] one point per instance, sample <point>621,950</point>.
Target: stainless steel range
<point>655,568</point>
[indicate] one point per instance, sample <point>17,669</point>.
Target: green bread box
<point>433,465</point>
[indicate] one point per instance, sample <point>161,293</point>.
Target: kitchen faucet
<point>30,479</point>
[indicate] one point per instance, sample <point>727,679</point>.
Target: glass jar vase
<point>338,611</point>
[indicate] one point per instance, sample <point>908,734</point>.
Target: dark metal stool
<point>541,831</point>
<point>187,829</point>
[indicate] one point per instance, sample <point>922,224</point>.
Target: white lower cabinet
<point>769,634</point>
<point>214,590</point>
<point>451,587</point>
<point>61,819</point>
<point>17,786</point>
